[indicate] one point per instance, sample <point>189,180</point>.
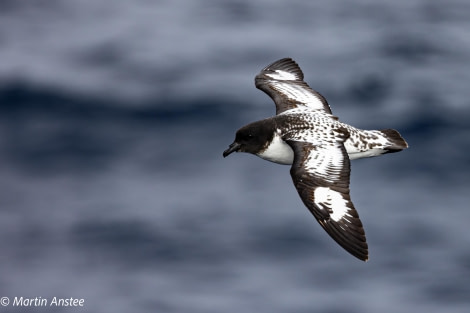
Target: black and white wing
<point>321,176</point>
<point>283,81</point>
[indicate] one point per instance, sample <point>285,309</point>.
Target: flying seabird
<point>305,134</point>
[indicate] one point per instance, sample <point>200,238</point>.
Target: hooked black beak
<point>232,148</point>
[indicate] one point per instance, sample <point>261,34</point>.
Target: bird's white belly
<point>278,151</point>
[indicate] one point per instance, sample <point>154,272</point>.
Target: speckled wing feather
<point>283,82</point>
<point>321,176</point>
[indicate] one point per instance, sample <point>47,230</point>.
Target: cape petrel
<point>305,134</point>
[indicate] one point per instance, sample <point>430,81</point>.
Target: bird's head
<point>251,138</point>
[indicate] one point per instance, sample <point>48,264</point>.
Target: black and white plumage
<point>304,133</point>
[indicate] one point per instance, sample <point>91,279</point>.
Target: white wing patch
<point>299,94</point>
<point>326,197</point>
<point>327,164</point>
<point>282,75</point>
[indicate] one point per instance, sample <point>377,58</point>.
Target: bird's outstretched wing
<point>283,82</point>
<point>321,176</point>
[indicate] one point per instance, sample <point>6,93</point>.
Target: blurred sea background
<point>113,119</point>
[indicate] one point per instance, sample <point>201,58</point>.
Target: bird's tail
<point>396,141</point>
<point>370,143</point>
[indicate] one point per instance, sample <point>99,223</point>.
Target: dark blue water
<point>113,119</point>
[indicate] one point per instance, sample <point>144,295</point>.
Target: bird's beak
<point>232,148</point>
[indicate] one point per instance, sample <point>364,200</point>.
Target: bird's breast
<point>277,151</point>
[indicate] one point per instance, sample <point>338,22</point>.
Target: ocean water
<point>113,189</point>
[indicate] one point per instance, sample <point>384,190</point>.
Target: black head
<point>252,138</point>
